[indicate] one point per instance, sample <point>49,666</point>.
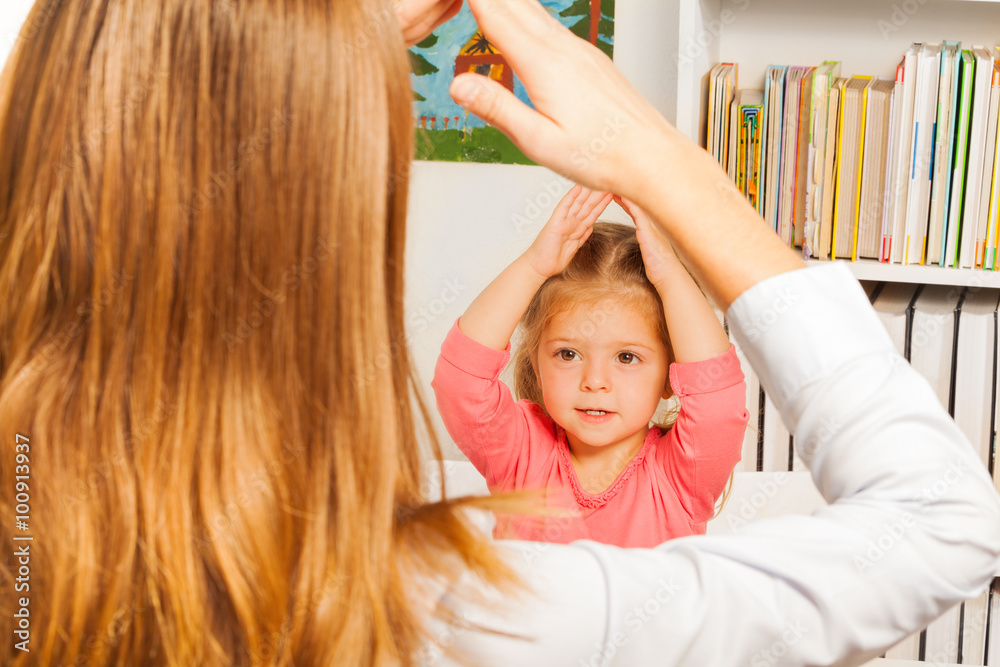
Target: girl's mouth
<point>594,415</point>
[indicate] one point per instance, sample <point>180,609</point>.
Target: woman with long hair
<point>202,222</point>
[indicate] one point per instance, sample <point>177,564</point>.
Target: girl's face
<point>602,370</point>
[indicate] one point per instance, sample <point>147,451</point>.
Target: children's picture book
<point>446,131</point>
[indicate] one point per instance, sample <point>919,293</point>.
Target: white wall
<point>12,15</point>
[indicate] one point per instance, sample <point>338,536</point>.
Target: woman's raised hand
<point>589,123</point>
<point>569,227</point>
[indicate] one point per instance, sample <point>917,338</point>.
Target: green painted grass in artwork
<point>480,144</point>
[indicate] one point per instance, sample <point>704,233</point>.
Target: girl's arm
<point>695,331</point>
<point>492,317</point>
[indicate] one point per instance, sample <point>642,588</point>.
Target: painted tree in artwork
<point>596,23</point>
<point>420,65</point>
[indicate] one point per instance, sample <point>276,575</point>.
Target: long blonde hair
<point>202,221</point>
<point>607,266</point>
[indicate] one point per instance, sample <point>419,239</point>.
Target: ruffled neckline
<point>591,500</point>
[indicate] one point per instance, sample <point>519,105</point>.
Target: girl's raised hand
<point>568,228</point>
<point>657,254</point>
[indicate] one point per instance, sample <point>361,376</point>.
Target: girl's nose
<point>595,377</point>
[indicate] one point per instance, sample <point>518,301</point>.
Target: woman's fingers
<point>419,18</point>
<point>500,108</point>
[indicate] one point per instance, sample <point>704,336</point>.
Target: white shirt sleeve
<point>913,526</point>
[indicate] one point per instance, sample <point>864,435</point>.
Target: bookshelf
<point>870,269</point>
<point>867,36</point>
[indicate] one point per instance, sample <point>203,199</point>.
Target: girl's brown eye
<point>567,355</point>
<point>627,358</point>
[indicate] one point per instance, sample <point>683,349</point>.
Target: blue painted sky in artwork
<point>452,36</point>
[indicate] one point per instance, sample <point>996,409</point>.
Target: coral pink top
<point>667,490</point>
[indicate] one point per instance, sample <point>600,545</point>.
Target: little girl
<point>595,303</point>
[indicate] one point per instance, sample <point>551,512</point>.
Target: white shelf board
<point>869,269</point>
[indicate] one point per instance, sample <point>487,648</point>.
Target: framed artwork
<point>444,130</point>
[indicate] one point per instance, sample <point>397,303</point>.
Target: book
<point>774,111</point>
<point>944,148</point>
<point>722,80</point>
<point>932,337</point>
<point>849,153</point>
<point>823,79</point>
<point>993,640</point>
<point>789,153</point>
<point>932,344</point>
<point>975,618</point>
<point>775,439</point>
<point>974,368</point>
<point>733,134</point>
<point>892,166</point>
<point>894,307</point>
<point>956,203</point>
<point>750,106</point>
<point>829,191</point>
<point>907,649</point>
<point>973,240</point>
<point>749,452</point>
<point>802,159</point>
<point>991,159</point>
<point>919,189</point>
<point>874,155</point>
<point>899,180</point>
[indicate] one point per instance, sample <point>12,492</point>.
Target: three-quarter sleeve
<point>479,412</point>
<point>699,452</point>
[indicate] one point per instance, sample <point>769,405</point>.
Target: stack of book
<point>901,169</point>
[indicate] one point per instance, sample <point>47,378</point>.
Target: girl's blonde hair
<point>202,225</point>
<point>607,266</point>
